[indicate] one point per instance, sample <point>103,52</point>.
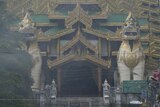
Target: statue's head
<point>131,28</point>
<point>53,82</point>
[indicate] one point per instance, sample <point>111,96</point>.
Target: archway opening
<point>79,79</point>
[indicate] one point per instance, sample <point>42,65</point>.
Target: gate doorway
<point>79,79</point>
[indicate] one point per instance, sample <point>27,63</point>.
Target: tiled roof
<point>53,30</point>
<point>40,18</point>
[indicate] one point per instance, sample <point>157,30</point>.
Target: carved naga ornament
<point>131,59</point>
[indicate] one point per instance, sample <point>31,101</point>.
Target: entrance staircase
<point>78,102</point>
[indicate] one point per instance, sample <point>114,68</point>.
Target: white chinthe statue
<point>131,60</point>
<point>27,28</point>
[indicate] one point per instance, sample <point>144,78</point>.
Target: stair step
<point>79,102</point>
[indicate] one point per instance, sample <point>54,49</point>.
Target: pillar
<point>109,48</point>
<point>99,48</point>
<point>58,48</point>
<point>48,49</point>
<point>99,79</point>
<point>59,82</point>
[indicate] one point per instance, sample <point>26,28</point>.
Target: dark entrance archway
<point>79,79</point>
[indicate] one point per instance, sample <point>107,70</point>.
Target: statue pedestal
<point>106,99</point>
<point>118,97</point>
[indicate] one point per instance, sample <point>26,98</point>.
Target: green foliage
<point>15,65</point>
<point>5,17</point>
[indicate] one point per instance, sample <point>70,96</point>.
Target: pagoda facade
<point>78,42</point>
<point>75,53</point>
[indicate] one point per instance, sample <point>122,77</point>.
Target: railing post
<point>118,97</point>
<point>99,81</point>
<point>106,92</point>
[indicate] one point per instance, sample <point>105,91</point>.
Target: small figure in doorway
<point>53,90</point>
<point>106,89</point>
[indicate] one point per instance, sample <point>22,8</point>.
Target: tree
<point>15,64</point>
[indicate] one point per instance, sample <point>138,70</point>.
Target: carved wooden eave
<point>151,63</point>
<point>117,36</point>
<point>155,43</point>
<point>62,33</point>
<point>156,55</point>
<point>154,48</point>
<point>75,40</point>
<point>70,44</point>
<point>155,28</point>
<point>102,15</point>
<point>143,14</point>
<point>154,18</point>
<point>45,24</point>
<point>75,15</point>
<point>98,61</point>
<point>75,2</point>
<point>41,38</point>
<point>155,38</point>
<point>150,1</point>
<point>60,60</point>
<point>112,24</point>
<point>144,27</point>
<point>99,16</point>
<point>55,16</point>
<point>75,20</point>
<point>146,8</point>
<point>105,64</point>
<point>78,14</point>
<point>95,33</point>
<point>51,7</point>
